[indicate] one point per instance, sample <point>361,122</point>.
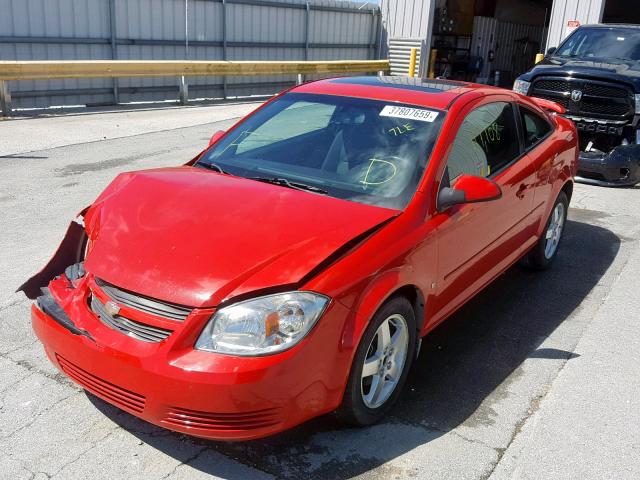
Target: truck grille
<point>599,99</point>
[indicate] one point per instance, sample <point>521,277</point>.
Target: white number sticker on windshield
<point>409,113</point>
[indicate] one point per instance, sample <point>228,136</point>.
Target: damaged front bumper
<point>619,168</point>
<point>70,252</point>
<point>173,385</point>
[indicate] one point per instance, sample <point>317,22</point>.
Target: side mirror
<point>468,189</point>
<point>551,51</point>
<point>216,136</point>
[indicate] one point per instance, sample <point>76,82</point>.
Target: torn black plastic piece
<point>75,271</point>
<point>70,252</point>
<point>48,305</point>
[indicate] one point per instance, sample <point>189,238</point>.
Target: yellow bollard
<point>432,63</point>
<point>539,57</point>
<point>412,62</point>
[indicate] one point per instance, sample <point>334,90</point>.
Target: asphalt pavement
<point>536,378</point>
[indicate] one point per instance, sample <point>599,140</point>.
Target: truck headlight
<point>522,87</point>
<point>637,103</point>
<point>262,325</point>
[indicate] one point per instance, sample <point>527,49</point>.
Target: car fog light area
<point>262,325</point>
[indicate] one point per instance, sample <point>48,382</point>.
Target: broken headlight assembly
<point>262,325</point>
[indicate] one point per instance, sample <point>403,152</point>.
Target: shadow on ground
<point>460,365</point>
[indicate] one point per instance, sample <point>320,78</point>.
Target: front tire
<point>381,364</point>
<point>545,251</point>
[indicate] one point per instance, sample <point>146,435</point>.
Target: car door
<point>477,241</point>
<point>536,129</point>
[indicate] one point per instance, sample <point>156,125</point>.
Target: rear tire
<point>545,251</point>
<point>381,364</point>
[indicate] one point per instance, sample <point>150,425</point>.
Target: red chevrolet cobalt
<point>291,269</point>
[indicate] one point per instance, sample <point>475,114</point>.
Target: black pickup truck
<point>595,75</point>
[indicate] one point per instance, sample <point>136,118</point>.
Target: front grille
<point>599,99</point>
<point>222,421</point>
<point>144,304</point>
<point>604,106</point>
<point>118,396</point>
<point>600,90</point>
<point>553,85</point>
<point>140,331</point>
<point>560,100</point>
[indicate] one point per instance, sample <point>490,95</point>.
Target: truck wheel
<point>381,364</point>
<point>544,252</point>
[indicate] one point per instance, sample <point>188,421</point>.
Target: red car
<point>291,269</point>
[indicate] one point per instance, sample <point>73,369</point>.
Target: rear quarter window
<point>534,127</point>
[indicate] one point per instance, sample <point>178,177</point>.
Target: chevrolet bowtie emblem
<point>112,309</point>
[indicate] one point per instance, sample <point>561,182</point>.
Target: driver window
<point>486,142</point>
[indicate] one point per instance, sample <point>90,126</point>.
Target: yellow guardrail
<point>46,70</point>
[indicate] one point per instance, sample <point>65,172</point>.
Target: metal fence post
<point>184,84</point>
<point>114,46</point>
<point>184,92</point>
<point>5,98</point>
<point>306,31</point>
<point>301,78</point>
<point>224,45</point>
<point>372,37</point>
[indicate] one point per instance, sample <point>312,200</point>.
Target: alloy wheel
<point>554,231</point>
<point>385,361</point>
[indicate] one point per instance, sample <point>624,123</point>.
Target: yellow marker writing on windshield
<point>365,180</point>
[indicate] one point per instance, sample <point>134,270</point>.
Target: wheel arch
<point>374,297</point>
<point>567,188</point>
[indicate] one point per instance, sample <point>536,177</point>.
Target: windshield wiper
<point>283,182</point>
<point>213,166</point>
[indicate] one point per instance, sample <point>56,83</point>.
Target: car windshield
<point>355,149</point>
<point>604,43</point>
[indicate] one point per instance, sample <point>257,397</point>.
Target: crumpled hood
<point>194,237</point>
<point>596,69</point>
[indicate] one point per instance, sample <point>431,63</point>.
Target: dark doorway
<point>618,11</point>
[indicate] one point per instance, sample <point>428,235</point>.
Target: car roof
<point>434,93</point>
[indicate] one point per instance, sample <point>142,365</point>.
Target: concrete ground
<point>537,378</point>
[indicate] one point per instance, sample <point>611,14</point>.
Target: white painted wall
<point>410,19</point>
<point>585,11</point>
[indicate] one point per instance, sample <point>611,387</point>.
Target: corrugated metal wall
<point>155,29</point>
<point>585,11</point>
<point>515,46</point>
<point>409,20</point>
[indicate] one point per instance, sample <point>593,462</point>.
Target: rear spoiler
<point>549,105</point>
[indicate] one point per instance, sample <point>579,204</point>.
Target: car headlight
<point>262,325</point>
<point>522,87</point>
<point>637,103</point>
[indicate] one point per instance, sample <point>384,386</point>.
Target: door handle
<point>521,190</point>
